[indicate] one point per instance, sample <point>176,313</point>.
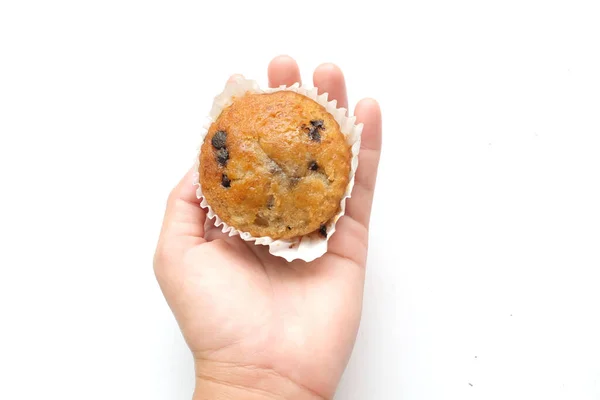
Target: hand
<point>258,326</point>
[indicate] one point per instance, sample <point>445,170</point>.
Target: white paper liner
<point>308,247</point>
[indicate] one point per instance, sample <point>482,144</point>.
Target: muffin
<point>275,165</point>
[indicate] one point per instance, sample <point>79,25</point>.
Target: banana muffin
<point>275,164</point>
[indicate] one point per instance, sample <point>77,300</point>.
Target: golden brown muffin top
<point>275,165</point>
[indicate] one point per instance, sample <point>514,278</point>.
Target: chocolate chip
<point>313,166</point>
<point>317,123</point>
<point>225,181</point>
<point>218,140</point>
<point>323,230</point>
<point>270,202</point>
<point>289,228</point>
<point>314,134</point>
<point>222,156</point>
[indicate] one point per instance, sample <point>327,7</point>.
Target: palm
<point>236,304</point>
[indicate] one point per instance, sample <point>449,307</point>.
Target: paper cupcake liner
<point>308,247</point>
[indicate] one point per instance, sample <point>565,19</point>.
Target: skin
<point>259,327</point>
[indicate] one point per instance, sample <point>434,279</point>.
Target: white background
<point>485,242</point>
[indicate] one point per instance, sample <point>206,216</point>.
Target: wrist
<point>221,381</point>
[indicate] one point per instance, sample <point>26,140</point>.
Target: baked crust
<point>275,165</point>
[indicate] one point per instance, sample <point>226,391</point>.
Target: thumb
<point>184,218</point>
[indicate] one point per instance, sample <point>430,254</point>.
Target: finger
<point>184,217</point>
<point>283,70</point>
<point>359,205</point>
<point>329,78</point>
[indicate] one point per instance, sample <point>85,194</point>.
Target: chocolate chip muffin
<point>275,164</point>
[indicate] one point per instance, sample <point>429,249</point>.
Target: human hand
<point>258,326</point>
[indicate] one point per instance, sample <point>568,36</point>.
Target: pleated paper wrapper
<point>308,247</point>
